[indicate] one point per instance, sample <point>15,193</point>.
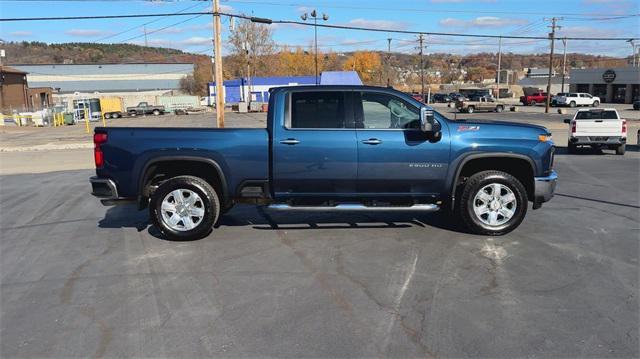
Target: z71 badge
<point>468,128</point>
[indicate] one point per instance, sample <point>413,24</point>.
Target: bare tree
<point>253,43</point>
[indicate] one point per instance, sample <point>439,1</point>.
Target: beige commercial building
<point>619,85</point>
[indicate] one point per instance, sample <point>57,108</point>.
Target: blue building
<point>237,90</point>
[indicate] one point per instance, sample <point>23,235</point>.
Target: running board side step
<point>356,207</point>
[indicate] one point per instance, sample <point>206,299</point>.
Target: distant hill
<point>90,53</point>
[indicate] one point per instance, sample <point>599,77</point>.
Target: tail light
<point>98,139</point>
<point>573,127</point>
<point>624,128</point>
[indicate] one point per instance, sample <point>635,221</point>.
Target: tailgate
<point>597,127</point>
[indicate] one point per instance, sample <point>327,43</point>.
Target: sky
<point>593,18</point>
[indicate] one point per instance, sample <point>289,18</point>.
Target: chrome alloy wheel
<point>182,210</point>
<point>494,204</point>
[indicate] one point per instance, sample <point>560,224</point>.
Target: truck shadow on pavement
<point>260,218</point>
<point>593,151</point>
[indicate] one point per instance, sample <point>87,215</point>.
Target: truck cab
<point>331,149</point>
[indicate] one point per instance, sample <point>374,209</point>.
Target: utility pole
<point>552,37</point>
<point>421,39</point>
<point>146,43</point>
<point>499,64</point>
<point>388,62</point>
<point>564,62</point>
<point>217,52</point>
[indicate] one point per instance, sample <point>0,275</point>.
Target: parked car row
<point>571,99</point>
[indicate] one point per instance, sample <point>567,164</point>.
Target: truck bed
<point>242,153</point>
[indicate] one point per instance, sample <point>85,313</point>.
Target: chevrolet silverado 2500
<point>330,148</point>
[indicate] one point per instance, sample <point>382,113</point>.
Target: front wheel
<point>533,103</point>
<point>156,112</point>
<point>184,208</point>
<point>493,203</point>
<point>572,104</point>
<point>596,103</point>
<point>620,150</point>
<point>470,109</point>
<point>499,109</point>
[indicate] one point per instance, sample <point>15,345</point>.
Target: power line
<point>146,23</point>
<point>342,27</point>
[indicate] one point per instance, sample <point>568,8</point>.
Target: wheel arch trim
<point>452,181</point>
<point>143,178</point>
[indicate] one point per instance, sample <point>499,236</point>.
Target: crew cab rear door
<point>395,158</point>
<point>314,149</point>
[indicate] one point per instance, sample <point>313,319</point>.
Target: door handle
<point>290,141</point>
<point>372,141</point>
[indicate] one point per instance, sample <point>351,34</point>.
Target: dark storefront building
<point>618,85</point>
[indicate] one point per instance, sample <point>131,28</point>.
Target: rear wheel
<point>107,115</point>
<point>156,112</point>
<point>470,109</point>
<point>116,115</point>
<point>133,114</point>
<point>184,208</point>
<point>493,203</point>
<point>533,103</point>
<point>499,109</point>
<point>620,150</point>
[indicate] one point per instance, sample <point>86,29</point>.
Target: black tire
<point>620,150</point>
<point>475,184</point>
<point>107,116</point>
<point>133,114</point>
<point>572,104</point>
<point>156,112</point>
<point>533,103</point>
<point>596,103</point>
<point>470,109</point>
<point>116,115</point>
<point>571,148</point>
<point>210,201</point>
<point>499,109</point>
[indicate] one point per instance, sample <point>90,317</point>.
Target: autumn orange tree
<point>367,63</point>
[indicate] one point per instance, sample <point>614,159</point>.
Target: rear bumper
<point>593,140</point>
<point>544,189</point>
<point>107,191</point>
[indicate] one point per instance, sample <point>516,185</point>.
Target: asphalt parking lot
<point>82,280</point>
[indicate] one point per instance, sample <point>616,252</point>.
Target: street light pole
<point>564,62</point>
<point>499,64</point>
<point>633,46</point>
<point>315,17</point>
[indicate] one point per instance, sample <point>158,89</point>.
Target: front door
<point>314,149</point>
<point>394,156</point>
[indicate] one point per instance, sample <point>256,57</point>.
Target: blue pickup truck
<point>330,148</point>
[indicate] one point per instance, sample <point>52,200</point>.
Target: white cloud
<point>197,40</point>
<point>21,33</point>
<point>482,21</point>
<point>379,24</point>
<point>87,32</point>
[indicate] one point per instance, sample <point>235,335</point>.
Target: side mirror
<point>427,120</point>
<point>567,121</point>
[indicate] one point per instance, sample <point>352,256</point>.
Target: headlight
<point>545,138</point>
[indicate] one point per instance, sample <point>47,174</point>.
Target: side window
<point>322,109</point>
<point>384,111</point>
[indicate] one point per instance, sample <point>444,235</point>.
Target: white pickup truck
<point>573,99</point>
<point>597,128</point>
